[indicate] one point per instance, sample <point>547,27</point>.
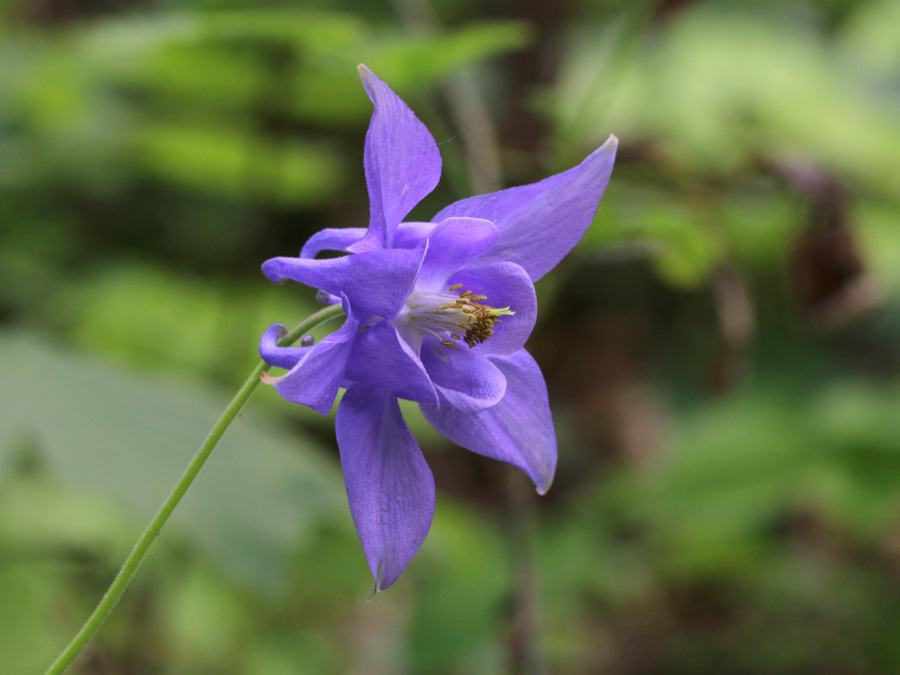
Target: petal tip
<point>543,477</point>
<point>609,147</point>
<point>270,338</point>
<point>270,269</point>
<point>376,589</point>
<point>270,379</point>
<point>543,489</point>
<point>370,82</point>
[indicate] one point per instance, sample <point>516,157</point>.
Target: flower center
<point>452,316</point>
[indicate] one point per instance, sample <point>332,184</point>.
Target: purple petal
<point>375,282</point>
<point>518,430</point>
<point>331,239</point>
<point>540,223</point>
<point>451,244</point>
<point>402,162</point>
<point>381,358</point>
<point>505,285</point>
<point>315,378</point>
<point>280,357</point>
<point>465,378</point>
<point>389,486</point>
<point>410,235</point>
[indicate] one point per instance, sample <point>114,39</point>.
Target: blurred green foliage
<point>721,350</point>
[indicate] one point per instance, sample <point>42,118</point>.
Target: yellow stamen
<point>480,319</point>
<point>459,317</point>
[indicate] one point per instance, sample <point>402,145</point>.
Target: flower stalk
<point>134,559</point>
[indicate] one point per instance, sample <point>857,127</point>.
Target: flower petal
<point>540,223</point>
<point>410,235</point>
<point>280,357</point>
<point>389,486</point>
<point>402,162</point>
<point>375,282</point>
<point>505,285</point>
<point>518,430</point>
<point>451,244</point>
<point>315,378</point>
<point>465,378</point>
<point>331,239</point>
<point>383,359</point>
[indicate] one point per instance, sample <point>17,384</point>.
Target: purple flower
<point>437,313</point>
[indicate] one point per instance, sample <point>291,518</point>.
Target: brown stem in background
<point>829,276</point>
<point>734,310</point>
<point>524,637</point>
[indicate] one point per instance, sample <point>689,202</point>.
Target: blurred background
<point>722,349</point>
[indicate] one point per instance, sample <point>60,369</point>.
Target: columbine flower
<point>437,313</point>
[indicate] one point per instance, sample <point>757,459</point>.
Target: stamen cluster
<point>453,316</point>
<point>480,319</point>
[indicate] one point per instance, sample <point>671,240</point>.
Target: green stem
<point>92,625</point>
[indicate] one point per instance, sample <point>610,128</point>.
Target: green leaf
<point>330,92</point>
<point>105,430</point>
<point>237,163</point>
<point>718,90</point>
<point>404,60</point>
<point>151,317</point>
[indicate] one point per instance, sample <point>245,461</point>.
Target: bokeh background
<point>722,349</point>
